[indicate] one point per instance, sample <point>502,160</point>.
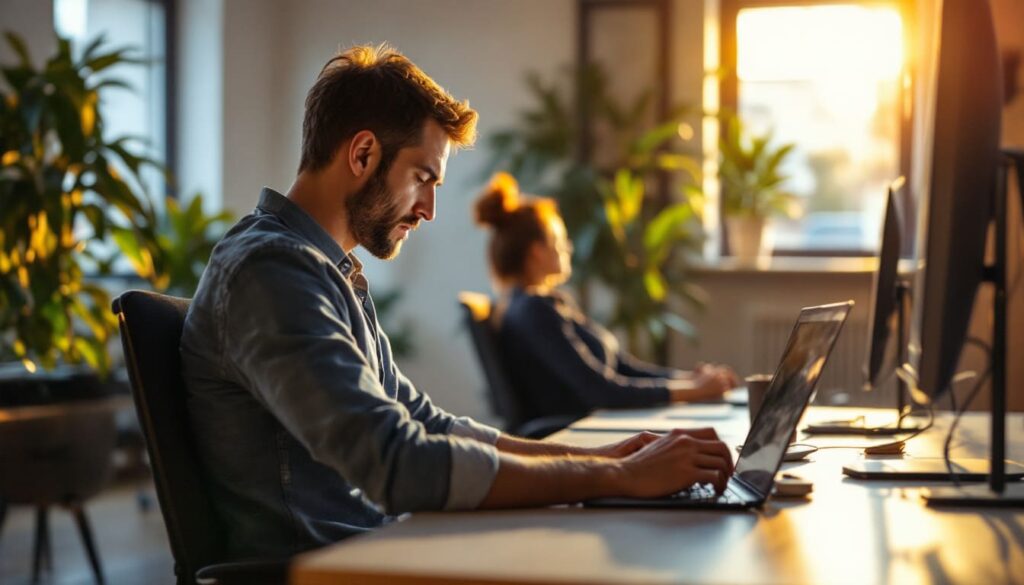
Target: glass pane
<point>141,25</point>
<point>826,78</point>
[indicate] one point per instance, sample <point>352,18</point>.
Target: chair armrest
<point>274,572</point>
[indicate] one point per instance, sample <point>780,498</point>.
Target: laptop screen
<point>790,390</point>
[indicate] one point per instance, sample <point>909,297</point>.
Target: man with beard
<point>307,429</point>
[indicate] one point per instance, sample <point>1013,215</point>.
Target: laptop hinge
<point>751,490</point>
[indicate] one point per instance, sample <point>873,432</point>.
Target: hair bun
<point>498,200</point>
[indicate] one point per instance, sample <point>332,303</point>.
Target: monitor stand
<point>928,469</point>
<point>858,426</point>
<point>997,493</point>
<point>979,495</point>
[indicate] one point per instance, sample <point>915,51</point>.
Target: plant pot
<point>58,431</point>
<point>746,237</point>
<point>58,454</point>
<point>64,384</point>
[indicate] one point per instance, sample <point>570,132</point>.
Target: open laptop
<point>807,350</point>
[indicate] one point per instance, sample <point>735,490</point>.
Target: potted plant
<point>63,185</point>
<point>752,188</point>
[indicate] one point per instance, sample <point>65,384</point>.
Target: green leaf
<point>657,137</point>
<point>19,47</point>
<point>776,158</point>
<point>629,190</point>
<point>663,228</point>
<point>119,56</point>
<point>93,352</point>
<point>89,51</point>
<point>114,82</point>
<point>654,283</point>
<point>614,218</point>
<point>134,251</point>
<point>680,162</point>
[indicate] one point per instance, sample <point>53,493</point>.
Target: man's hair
<point>380,90</point>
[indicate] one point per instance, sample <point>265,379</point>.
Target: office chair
<point>151,326</point>
<point>501,394</point>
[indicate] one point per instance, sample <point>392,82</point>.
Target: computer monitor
<point>955,160</point>
<point>887,293</point>
<point>887,326</point>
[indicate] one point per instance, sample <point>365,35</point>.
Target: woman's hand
<point>708,384</point>
<point>703,367</point>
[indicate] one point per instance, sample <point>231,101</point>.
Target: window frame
<point>729,101</point>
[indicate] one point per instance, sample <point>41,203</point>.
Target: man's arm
<point>663,466</point>
<point>534,448</point>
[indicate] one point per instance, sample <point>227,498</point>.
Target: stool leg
<point>42,546</point>
<point>3,515</point>
<point>90,547</point>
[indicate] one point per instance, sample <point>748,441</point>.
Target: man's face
<point>396,199</point>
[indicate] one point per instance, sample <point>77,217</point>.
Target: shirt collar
<point>298,220</point>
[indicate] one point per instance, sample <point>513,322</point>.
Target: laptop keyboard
<point>706,493</point>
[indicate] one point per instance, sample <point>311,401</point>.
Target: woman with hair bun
<point>561,362</point>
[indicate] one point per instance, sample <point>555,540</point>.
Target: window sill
<point>790,265</point>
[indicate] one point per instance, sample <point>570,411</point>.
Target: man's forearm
<point>531,447</point>
<point>527,481</point>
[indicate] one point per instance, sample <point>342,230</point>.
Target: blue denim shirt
<point>307,430</point>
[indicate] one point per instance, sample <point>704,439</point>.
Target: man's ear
<point>364,154</point>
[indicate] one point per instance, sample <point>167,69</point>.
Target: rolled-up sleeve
<point>474,467</point>
<point>289,338</point>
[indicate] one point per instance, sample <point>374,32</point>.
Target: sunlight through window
<point>828,79</point>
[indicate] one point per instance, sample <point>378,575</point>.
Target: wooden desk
<point>848,532</point>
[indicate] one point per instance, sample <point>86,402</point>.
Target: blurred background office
<point>720,164</point>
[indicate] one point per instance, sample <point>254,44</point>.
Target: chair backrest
<point>481,329</point>
<point>151,326</point>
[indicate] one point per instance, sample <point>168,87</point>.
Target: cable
<point>928,425</point>
<point>947,445</point>
<point>953,475</point>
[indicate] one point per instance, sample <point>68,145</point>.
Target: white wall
<point>200,95</point>
<point>33,21</point>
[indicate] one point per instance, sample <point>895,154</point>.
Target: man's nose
<point>426,207</point>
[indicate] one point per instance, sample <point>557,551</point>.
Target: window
<point>144,112</point>
<point>829,78</point>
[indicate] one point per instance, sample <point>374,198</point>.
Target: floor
<point>131,542</point>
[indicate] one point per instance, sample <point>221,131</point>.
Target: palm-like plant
<point>647,263</point>
<point>185,237</point>
<point>751,176</point>
<point>62,184</point>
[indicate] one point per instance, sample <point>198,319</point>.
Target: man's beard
<point>374,214</point>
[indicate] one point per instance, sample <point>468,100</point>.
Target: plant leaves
<point>20,49</point>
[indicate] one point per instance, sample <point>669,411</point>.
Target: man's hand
<point>624,447</point>
<point>658,465</point>
<point>673,462</point>
<point>633,444</point>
